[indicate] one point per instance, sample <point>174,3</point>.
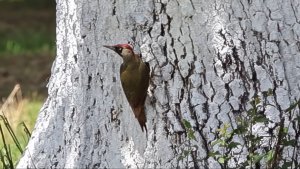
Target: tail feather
<point>139,113</point>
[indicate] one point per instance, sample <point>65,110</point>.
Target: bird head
<point>124,50</point>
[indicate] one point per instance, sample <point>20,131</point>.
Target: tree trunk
<point>208,59</point>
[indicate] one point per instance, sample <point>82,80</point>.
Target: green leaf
<point>287,165</point>
<point>233,144</point>
<point>191,135</point>
<point>180,158</point>
<point>293,106</point>
<point>221,160</point>
<point>240,130</point>
<point>216,142</point>
<point>214,154</point>
<point>292,142</point>
<point>260,119</point>
<point>251,112</point>
<point>223,130</point>
<point>270,155</point>
<point>257,157</point>
<point>187,124</point>
<point>223,143</point>
<point>285,130</point>
<point>270,92</point>
<point>257,100</point>
<point>186,153</point>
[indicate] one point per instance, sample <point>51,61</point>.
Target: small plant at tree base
<point>225,145</point>
<point>269,155</point>
<point>187,147</point>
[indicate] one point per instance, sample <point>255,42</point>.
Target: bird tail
<point>139,113</point>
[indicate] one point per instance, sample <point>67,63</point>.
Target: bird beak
<point>110,47</point>
<point>114,48</point>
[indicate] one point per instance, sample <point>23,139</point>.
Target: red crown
<point>125,46</point>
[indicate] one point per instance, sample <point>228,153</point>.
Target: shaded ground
<point>27,46</point>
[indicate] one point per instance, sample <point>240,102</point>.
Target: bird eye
<point>119,50</point>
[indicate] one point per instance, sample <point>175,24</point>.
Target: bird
<point>135,78</point>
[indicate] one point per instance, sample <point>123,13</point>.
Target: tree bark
<point>208,59</point>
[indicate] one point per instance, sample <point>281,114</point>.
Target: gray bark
<point>209,58</point>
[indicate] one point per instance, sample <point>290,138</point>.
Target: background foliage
<point>27,49</point>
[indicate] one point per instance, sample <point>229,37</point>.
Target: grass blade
<point>26,130</point>
<point>12,133</point>
<point>7,151</point>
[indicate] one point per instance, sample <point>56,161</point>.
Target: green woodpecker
<point>135,80</point>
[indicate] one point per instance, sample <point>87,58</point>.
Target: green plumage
<point>135,77</point>
<point>135,81</point>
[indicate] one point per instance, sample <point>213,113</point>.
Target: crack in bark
<point>114,7</point>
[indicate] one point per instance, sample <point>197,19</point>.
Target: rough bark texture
<point>208,59</point>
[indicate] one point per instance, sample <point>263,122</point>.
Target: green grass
<point>28,42</point>
<point>24,117</point>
